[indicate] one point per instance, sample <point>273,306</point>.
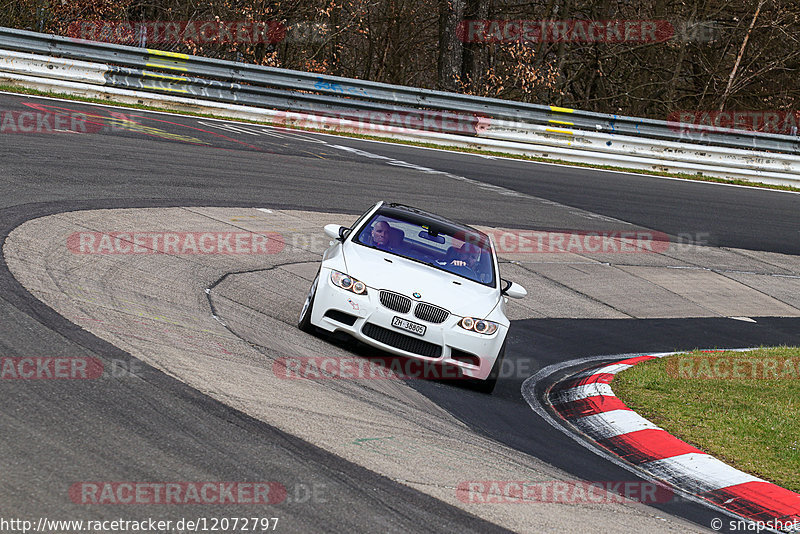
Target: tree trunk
<point>474,64</point>
<point>450,46</point>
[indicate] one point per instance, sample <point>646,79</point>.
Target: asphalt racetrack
<point>180,419</point>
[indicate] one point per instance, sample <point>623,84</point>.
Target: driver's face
<point>472,259</point>
<point>380,234</point>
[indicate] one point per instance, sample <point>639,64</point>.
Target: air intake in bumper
<point>401,341</point>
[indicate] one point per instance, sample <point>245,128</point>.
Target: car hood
<point>407,277</point>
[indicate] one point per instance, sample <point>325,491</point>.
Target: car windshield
<point>445,246</point>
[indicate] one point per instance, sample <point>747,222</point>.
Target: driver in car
<point>468,255</point>
<point>380,235</point>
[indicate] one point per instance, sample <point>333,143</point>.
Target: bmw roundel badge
<point>416,295</point>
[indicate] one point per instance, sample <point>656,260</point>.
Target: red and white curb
<point>587,402</point>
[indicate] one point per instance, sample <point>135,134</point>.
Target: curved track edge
<point>593,414</point>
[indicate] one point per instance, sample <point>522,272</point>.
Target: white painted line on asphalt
<point>583,392</point>
<point>700,472</point>
<point>610,369</point>
<point>613,423</point>
<point>615,368</point>
<point>745,319</point>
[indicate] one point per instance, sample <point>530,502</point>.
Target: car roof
<point>419,214</point>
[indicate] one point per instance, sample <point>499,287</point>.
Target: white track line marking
<point>701,472</point>
<point>613,423</point>
<point>583,392</point>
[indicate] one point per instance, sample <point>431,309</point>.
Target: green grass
<point>751,424</point>
<point>685,176</point>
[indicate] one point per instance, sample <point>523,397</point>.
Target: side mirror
<point>515,291</point>
<point>335,231</point>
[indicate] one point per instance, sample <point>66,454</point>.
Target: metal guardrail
<point>85,78</point>
<point>171,73</point>
<point>265,96</point>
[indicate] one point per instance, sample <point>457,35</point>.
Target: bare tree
<point>750,62</point>
<point>450,46</point>
<point>739,57</point>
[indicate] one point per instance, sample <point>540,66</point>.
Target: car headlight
<point>478,325</point>
<point>348,283</point>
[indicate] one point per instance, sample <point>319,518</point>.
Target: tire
<point>487,386</point>
<point>304,323</point>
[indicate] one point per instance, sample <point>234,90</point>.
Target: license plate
<point>414,328</point>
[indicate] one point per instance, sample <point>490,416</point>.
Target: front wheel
<point>487,386</point>
<point>304,323</point>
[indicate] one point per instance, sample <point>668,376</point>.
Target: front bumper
<point>369,321</point>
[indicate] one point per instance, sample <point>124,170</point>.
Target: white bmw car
<point>416,285</point>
